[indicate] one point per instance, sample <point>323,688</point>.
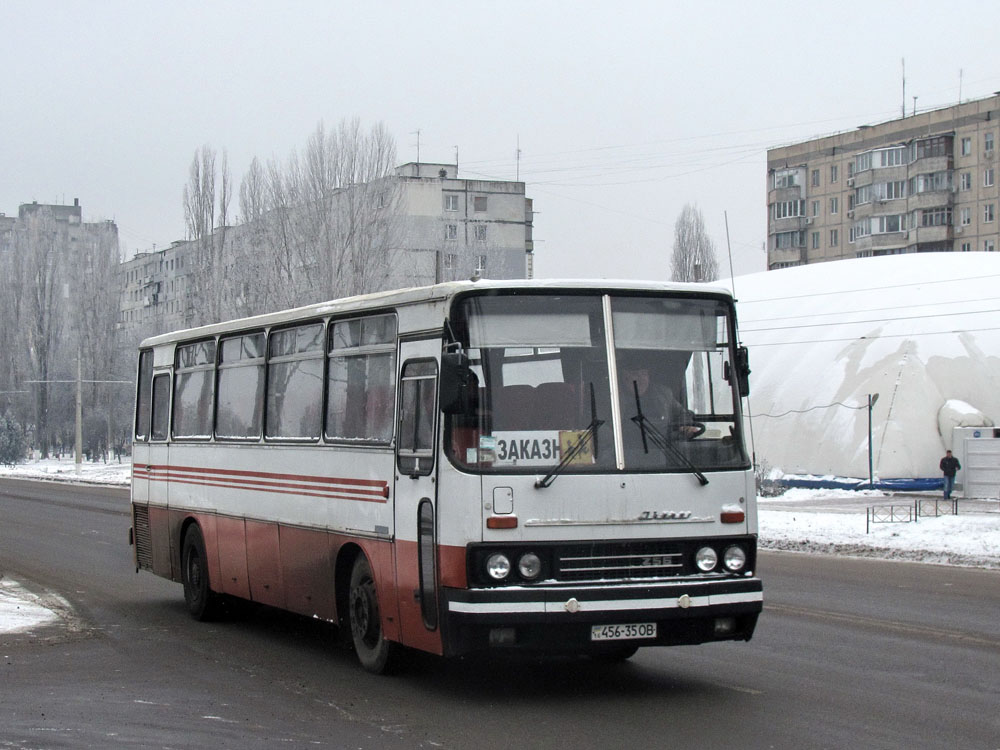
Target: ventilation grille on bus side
<point>143,541</point>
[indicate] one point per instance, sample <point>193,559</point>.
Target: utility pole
<point>78,443</point>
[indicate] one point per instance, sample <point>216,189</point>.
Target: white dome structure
<point>920,331</point>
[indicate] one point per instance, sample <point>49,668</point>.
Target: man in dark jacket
<point>949,465</point>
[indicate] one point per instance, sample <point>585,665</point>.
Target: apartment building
<point>449,228</point>
<point>924,183</point>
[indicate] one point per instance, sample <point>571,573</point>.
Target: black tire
<point>376,654</point>
<point>202,602</point>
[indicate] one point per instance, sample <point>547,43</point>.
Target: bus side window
<point>417,388</point>
<point>144,393</point>
<point>161,407</point>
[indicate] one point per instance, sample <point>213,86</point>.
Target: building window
<point>966,216</point>
<point>481,263</point>
<point>815,208</point>
<point>988,142</point>
<point>935,217</point>
<point>815,240</point>
<point>785,178</point>
<point>834,238</point>
<point>788,209</point>
<point>480,231</point>
<point>451,203</point>
<point>479,203</point>
<point>988,246</point>
<point>834,205</point>
<point>450,261</point>
<point>966,146</point>
<point>862,162</point>
<point>785,240</point>
<point>988,212</point>
<point>988,177</point>
<point>965,181</point>
<point>815,178</point>
<point>892,157</point>
<point>931,147</point>
<point>834,173</point>
<point>891,223</point>
<point>966,247</point>
<point>451,231</point>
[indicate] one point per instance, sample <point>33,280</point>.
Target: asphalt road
<point>848,654</point>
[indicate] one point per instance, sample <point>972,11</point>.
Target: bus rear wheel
<point>376,654</point>
<point>202,602</point>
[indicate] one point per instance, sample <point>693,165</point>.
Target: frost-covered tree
<point>694,257</point>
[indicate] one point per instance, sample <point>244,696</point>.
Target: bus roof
<point>415,295</point>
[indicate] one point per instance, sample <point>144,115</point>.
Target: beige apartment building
<point>450,228</point>
<point>924,183</point>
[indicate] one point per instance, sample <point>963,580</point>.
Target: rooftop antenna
<point>914,106</point>
<point>417,133</point>
<point>517,159</point>
<point>456,161</point>
<point>959,85</point>
<point>904,87</point>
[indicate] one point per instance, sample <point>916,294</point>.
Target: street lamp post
<point>872,398</point>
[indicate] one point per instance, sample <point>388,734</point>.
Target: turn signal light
<point>501,522</point>
<point>732,516</point>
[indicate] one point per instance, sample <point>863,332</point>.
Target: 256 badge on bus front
<point>538,447</point>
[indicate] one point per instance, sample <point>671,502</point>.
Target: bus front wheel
<point>376,654</point>
<point>201,601</point>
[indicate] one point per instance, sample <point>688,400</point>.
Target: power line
<point>811,408</point>
<point>873,309</point>
<point>812,295</point>
<point>875,338</point>
<point>744,329</point>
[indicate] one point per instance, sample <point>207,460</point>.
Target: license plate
<point>624,632</point>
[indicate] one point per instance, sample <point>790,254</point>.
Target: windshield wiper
<point>658,439</point>
<point>589,435</point>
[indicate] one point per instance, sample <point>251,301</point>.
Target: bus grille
<point>143,540</point>
<point>618,560</point>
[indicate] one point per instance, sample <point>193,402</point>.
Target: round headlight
<point>734,558</point>
<point>706,559</point>
<point>529,566</point>
<point>498,566</point>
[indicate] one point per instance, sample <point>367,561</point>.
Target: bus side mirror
<point>743,370</point>
<point>458,383</point>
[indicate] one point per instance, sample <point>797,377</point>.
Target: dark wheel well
<point>342,587</point>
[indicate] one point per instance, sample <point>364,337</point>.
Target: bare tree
<point>206,228</point>
<point>42,249</point>
<point>694,256</point>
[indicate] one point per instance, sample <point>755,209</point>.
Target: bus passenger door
<point>415,495</point>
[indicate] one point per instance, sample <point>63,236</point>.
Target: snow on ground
<point>816,521</point>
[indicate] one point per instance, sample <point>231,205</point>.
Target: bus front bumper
<point>572,618</point>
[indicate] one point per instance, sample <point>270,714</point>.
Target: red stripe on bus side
<point>273,489</point>
<point>260,483</point>
<point>270,475</point>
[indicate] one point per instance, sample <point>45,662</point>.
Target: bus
<point>549,466</point>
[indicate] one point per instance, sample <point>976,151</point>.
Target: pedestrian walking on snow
<point>949,465</point>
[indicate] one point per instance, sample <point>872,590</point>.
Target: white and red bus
<point>555,466</point>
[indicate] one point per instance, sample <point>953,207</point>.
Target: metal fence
<point>930,507</point>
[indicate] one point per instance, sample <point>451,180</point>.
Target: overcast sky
<point>624,112</point>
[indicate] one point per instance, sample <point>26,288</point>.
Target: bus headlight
<point>529,566</point>
<point>498,566</point>
<point>706,559</point>
<point>734,559</point>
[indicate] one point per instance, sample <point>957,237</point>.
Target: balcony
<point>921,235</point>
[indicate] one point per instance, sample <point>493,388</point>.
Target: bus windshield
<point>551,374</point>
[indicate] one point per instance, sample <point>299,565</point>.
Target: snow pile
<point>918,330</point>
<point>21,610</point>
<point>64,470</point>
<point>835,522</point>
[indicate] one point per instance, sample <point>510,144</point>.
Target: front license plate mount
<point>630,631</point>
